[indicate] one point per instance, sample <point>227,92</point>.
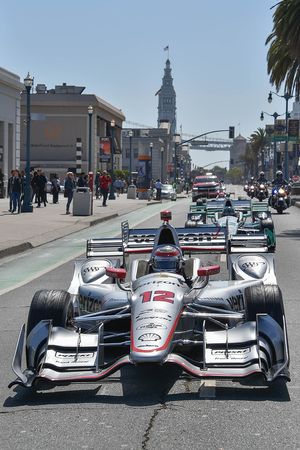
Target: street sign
<point>194,143</point>
<point>293,128</point>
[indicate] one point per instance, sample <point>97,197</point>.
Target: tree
<point>284,51</point>
<point>258,142</point>
<point>234,175</point>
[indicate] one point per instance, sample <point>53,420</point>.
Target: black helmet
<point>279,173</point>
<point>166,258</point>
<point>228,211</point>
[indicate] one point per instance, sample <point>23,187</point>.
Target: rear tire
<point>264,299</point>
<point>50,304</point>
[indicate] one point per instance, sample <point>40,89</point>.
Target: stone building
<point>10,89</point>
<point>237,151</point>
<point>167,100</point>
<point>59,117</point>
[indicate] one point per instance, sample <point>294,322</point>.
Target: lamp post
<point>90,112</point>
<point>112,188</point>
<point>161,163</point>
<point>151,162</point>
<point>286,97</point>
<point>27,206</point>
<point>130,134</point>
<point>176,139</point>
<point>276,158</point>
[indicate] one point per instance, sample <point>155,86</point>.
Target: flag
<point>166,48</point>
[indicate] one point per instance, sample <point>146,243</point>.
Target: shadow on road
<point>144,386</point>
<point>291,234</point>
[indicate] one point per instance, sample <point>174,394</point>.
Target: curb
<point>9,251</point>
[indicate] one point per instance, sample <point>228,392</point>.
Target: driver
<point>228,209</point>
<point>166,258</point>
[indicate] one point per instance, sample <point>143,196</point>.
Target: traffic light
<point>231,132</point>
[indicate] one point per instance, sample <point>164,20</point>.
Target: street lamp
<point>151,162</point>
<point>176,140</point>
<point>112,188</point>
<point>27,206</point>
<point>130,134</point>
<point>286,97</point>
<point>90,112</point>
<point>276,158</point>
<point>161,164</point>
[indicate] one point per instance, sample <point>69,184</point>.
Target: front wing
<point>58,355</point>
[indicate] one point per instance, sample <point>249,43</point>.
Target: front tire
<point>50,304</point>
<point>264,299</point>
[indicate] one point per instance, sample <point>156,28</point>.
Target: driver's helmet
<point>228,211</point>
<point>166,258</point>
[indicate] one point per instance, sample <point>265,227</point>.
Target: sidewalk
<point>20,232</point>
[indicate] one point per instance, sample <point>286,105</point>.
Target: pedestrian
<point>97,185</point>
<point>16,190</point>
<point>55,188</point>
<point>69,188</point>
<point>118,184</point>
<point>82,182</point>
<point>158,187</point>
<point>41,186</point>
<point>9,191</point>
<point>105,181</point>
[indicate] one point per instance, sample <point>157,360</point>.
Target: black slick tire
<point>50,304</point>
<point>264,299</point>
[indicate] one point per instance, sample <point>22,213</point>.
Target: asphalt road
<point>152,409</point>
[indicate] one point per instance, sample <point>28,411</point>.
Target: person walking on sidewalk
<point>9,189</point>
<point>69,187</point>
<point>16,190</point>
<point>55,188</point>
<point>105,181</point>
<point>41,182</point>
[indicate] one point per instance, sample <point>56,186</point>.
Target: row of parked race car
<point>148,298</point>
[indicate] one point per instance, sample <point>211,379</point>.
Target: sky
<point>116,49</point>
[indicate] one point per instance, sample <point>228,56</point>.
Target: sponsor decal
<point>255,266</point>
<point>168,319</point>
<point>236,302</point>
<point>149,337</point>
<point>232,354</point>
<point>89,304</point>
<point>69,358</point>
<point>152,325</point>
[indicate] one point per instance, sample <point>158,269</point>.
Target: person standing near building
<point>16,190</point>
<point>9,191</point>
<point>41,182</point>
<point>69,188</point>
<point>55,188</point>
<point>105,181</point>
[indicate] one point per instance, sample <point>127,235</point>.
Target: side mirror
<point>115,272</point>
<point>208,270</point>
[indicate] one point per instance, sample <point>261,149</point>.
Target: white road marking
<point>223,258</point>
<point>207,389</point>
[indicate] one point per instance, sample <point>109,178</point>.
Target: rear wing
<point>202,239</point>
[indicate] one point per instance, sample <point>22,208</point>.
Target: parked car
<point>167,192</point>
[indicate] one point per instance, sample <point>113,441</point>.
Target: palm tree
<point>284,51</point>
<point>258,142</point>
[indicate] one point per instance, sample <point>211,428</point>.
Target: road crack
<point>146,436</point>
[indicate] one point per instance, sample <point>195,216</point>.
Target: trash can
<point>82,201</point>
<point>131,191</point>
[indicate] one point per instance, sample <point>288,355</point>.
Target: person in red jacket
<point>105,181</point>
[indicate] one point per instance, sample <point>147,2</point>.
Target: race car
<point>240,216</point>
<point>164,308</point>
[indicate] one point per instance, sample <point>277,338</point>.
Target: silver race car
<point>123,309</point>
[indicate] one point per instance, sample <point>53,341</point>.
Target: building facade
<point>10,101</point>
<point>60,118</point>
